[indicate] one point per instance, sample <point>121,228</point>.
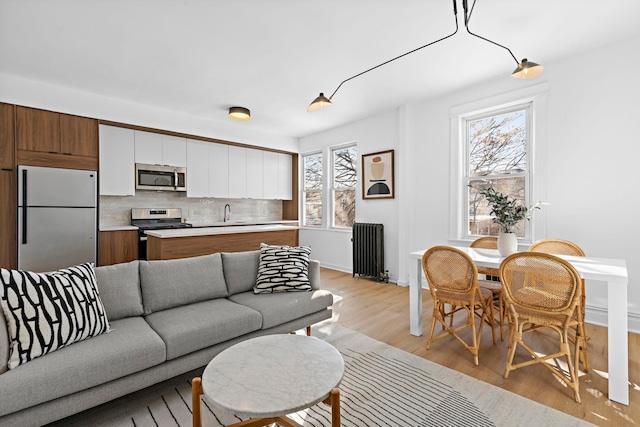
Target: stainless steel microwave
<point>160,177</point>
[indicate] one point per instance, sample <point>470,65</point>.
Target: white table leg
<point>415,299</point>
<point>618,350</point>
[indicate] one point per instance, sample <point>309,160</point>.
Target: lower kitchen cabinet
<point>117,246</point>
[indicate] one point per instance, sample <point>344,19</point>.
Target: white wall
<point>332,247</point>
<point>591,165</point>
<point>16,90</point>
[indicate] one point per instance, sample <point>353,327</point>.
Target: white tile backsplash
<point>116,210</point>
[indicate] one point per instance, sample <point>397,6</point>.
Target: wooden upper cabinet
<point>78,136</point>
<point>56,133</point>
<point>37,130</point>
<point>7,137</point>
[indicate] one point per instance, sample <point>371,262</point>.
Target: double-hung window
<point>497,156</point>
<point>343,185</point>
<point>498,142</point>
<point>312,190</point>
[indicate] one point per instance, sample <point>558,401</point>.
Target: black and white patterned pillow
<point>283,269</point>
<point>47,311</point>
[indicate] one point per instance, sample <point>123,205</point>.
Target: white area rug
<point>382,386</point>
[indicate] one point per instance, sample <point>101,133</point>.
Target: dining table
<point>611,273</point>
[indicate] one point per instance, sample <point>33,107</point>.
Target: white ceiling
<point>200,57</point>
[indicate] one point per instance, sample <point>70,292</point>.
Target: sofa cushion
<point>48,311</point>
<point>200,325</point>
<point>131,347</point>
<point>119,287</point>
<point>177,282</point>
<point>283,307</point>
<point>283,269</point>
<point>240,270</point>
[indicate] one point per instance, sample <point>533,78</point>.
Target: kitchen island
<point>189,242</point>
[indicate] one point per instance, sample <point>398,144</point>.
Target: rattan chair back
<point>540,281</point>
<point>556,247</point>
<point>449,270</point>
<point>487,242</point>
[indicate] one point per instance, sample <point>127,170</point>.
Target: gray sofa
<point>167,318</point>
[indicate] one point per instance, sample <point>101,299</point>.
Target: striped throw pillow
<point>283,269</point>
<point>48,311</point>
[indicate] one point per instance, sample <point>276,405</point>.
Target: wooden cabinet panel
<point>7,137</point>
<point>8,219</point>
<point>8,189</point>
<point>117,246</point>
<point>37,130</point>
<point>78,136</point>
<point>183,247</point>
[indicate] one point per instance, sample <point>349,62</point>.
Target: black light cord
<point>455,12</point>
<point>467,18</point>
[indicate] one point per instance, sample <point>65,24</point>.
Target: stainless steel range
<point>154,219</point>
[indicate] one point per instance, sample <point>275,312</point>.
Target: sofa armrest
<point>314,274</point>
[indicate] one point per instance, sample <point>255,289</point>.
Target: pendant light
<point>526,70</point>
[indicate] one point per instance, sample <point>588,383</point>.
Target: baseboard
<point>392,279</point>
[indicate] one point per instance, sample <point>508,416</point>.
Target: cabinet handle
<point>7,169</point>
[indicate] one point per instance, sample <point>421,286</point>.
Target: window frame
<point>332,189</point>
<point>535,176</point>
<point>305,191</point>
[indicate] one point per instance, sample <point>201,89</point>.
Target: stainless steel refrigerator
<point>57,217</point>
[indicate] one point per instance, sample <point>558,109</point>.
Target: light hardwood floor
<point>381,311</point>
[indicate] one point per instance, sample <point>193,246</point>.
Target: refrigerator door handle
<point>24,206</point>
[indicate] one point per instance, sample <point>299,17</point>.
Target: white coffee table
<point>267,377</point>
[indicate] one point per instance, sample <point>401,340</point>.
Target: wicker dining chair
<point>542,291</point>
<point>453,283</point>
<point>564,247</point>
<point>491,281</point>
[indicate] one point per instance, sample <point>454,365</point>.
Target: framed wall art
<point>377,175</point>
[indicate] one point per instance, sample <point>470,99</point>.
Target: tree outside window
<point>345,178</point>
<point>497,157</point>
<point>312,191</point>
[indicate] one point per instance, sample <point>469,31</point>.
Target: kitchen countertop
<point>117,227</point>
<point>207,231</point>
<point>232,223</point>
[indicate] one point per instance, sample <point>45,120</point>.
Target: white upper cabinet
<point>270,175</point>
<point>158,149</point>
<point>285,176</point>
<point>174,151</point>
<point>237,172</point>
<point>218,170</point>
<point>148,147</point>
<point>117,169</point>
<point>197,168</point>
<point>254,174</point>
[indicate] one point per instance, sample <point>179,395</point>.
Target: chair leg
<point>433,324</point>
<point>309,330</point>
<point>196,392</point>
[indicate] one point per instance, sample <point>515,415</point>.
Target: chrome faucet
<point>227,215</point>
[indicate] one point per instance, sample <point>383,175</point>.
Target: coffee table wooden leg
<point>196,392</point>
<point>334,401</point>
